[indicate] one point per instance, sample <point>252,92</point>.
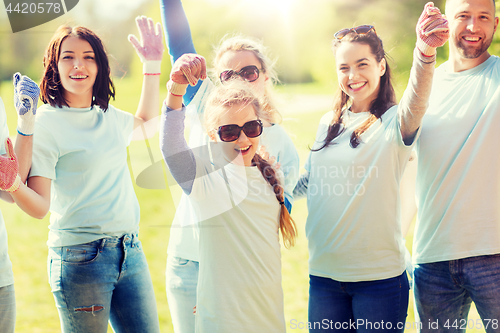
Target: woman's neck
<point>78,101</point>
<point>359,108</point>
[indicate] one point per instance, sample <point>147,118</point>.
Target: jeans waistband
<point>114,241</point>
<point>107,241</point>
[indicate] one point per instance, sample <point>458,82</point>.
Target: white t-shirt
<point>239,285</point>
<point>353,226</point>
<point>84,152</point>
<point>6,275</point>
<point>458,180</point>
<point>183,240</point>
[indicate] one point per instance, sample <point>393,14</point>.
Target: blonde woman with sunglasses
<point>357,272</point>
<point>237,58</point>
<point>239,284</point>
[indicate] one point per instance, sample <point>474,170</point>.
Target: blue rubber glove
<point>26,93</point>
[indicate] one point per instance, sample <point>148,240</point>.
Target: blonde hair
<point>237,93</point>
<point>241,43</point>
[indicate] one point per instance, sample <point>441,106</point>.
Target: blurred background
<point>298,34</point>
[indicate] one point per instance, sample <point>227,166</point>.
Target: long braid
<point>287,225</point>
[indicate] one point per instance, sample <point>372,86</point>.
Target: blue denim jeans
<point>445,290</point>
<point>107,279</point>
<point>367,306</point>
<point>182,281</point>
<point>7,309</point>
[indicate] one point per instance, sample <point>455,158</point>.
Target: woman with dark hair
<point>52,88</point>
<point>357,254</point>
<point>97,269</point>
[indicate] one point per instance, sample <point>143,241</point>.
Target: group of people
<point>224,267</point>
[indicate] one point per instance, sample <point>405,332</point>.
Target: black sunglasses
<point>361,30</point>
<point>248,73</point>
<point>228,133</point>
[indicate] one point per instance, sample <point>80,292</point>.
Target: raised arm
<point>178,37</point>
<point>26,94</point>
<point>432,32</point>
<point>150,50</point>
<point>176,153</point>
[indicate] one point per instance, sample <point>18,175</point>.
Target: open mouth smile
<point>471,39</point>
<point>357,86</point>
<point>78,77</point>
<point>243,150</point>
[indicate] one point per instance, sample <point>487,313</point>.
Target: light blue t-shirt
<point>6,275</point>
<point>84,152</point>
<point>239,284</point>
<point>458,180</point>
<point>354,222</point>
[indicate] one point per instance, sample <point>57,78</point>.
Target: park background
<point>298,34</point>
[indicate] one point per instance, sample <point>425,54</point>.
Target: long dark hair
<point>384,100</point>
<point>51,87</point>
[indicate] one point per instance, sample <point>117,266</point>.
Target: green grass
<point>36,310</point>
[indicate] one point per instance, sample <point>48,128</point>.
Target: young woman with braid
<point>235,57</point>
<point>239,284</point>
<point>97,269</point>
<point>356,249</point>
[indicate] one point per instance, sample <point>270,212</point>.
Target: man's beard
<point>473,52</point>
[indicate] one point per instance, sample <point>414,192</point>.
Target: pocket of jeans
<point>80,254</point>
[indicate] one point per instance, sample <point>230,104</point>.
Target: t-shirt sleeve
<point>125,121</point>
<point>45,153</point>
<point>393,119</point>
<point>280,145</point>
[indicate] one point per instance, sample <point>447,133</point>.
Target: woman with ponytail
<point>238,201</point>
<point>236,57</point>
<point>356,247</point>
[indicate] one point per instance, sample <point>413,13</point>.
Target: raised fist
<point>188,69</point>
<point>432,30</point>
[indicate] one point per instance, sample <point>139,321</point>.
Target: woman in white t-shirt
<point>357,255</point>
<point>235,57</point>
<point>97,269</point>
<point>239,204</point>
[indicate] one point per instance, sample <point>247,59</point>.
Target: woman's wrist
<point>151,67</point>
<point>176,89</point>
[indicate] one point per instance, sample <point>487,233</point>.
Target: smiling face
<point>472,26</point>
<point>236,60</point>
<point>242,150</point>
<point>78,71</point>
<point>359,73</point>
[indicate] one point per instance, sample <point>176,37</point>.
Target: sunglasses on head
<point>248,73</point>
<point>361,30</point>
<point>228,133</point>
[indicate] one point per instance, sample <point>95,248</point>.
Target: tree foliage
<point>298,33</point>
